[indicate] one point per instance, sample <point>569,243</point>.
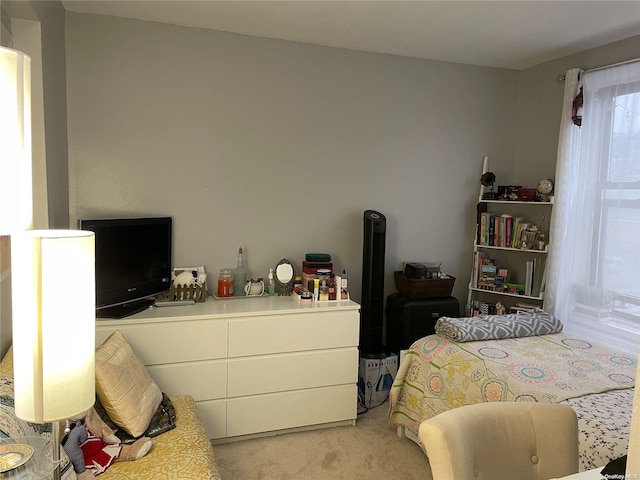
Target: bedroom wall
<point>280,146</point>
<point>540,106</point>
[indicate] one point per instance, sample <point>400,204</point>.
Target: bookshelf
<point>510,252</point>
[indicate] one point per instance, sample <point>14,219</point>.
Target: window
<point>618,242</point>
<point>595,288</point>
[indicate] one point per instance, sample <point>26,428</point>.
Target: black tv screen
<point>133,262</point>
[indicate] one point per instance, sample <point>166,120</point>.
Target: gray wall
<point>540,106</point>
<point>280,146</point>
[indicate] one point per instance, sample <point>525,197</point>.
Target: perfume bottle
<point>344,287</point>
<point>272,286</point>
<point>331,286</point>
<point>324,291</point>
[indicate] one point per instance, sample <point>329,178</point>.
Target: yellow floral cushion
<point>184,453</point>
<point>127,392</point>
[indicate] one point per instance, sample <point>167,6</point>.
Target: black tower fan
<point>372,307</point>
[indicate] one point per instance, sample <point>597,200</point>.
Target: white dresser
<point>254,366</point>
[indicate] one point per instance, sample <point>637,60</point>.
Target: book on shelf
<point>538,276</point>
<point>479,259</point>
<point>482,226</point>
<point>502,230</point>
<point>507,229</point>
<point>528,280</point>
<point>535,277</point>
<point>522,228</point>
<point>516,231</point>
<point>492,230</point>
<point>481,208</point>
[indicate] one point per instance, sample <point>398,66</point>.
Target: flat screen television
<point>133,262</point>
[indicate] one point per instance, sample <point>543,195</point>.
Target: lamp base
<point>55,448</point>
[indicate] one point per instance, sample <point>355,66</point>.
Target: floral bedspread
<point>437,375</point>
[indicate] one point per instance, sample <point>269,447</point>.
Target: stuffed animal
<point>185,278</point>
<point>92,446</point>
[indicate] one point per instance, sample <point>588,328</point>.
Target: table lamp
<point>53,278</point>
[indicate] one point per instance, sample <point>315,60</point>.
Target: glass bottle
<point>331,286</point>
<point>272,286</point>
<point>324,291</point>
<point>239,276</point>
<point>344,287</point>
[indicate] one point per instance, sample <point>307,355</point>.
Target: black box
<point>409,319</point>
<point>415,270</point>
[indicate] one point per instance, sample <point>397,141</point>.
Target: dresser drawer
<point>214,417</point>
<point>293,371</point>
<point>170,342</point>
<point>278,411</point>
<point>202,380</point>
<point>293,332</point>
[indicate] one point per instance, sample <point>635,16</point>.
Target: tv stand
<point>126,309</point>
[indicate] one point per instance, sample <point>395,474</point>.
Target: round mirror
<point>284,276</point>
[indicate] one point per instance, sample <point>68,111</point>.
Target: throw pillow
<point>129,395</point>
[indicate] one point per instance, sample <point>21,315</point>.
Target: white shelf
<point>512,261</point>
<point>491,292</point>
<point>511,249</point>
<point>516,202</point>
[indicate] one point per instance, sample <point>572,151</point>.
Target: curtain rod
<point>560,78</point>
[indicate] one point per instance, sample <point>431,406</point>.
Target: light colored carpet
<point>370,450</point>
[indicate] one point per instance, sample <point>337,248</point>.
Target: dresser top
<point>233,307</point>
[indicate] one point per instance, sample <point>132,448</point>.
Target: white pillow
<point>127,392</point>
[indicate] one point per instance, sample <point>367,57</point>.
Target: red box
<point>527,194</point>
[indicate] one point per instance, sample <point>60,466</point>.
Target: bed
<point>446,370</point>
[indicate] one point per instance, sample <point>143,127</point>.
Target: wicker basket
<point>188,292</point>
<point>426,288</point>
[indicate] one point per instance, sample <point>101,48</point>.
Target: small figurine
<point>92,446</point>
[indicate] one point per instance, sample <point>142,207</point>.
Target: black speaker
<point>372,298</point>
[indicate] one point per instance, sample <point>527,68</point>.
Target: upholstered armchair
<point>502,441</point>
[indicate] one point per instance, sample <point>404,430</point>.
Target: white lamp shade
<point>53,284</point>
<point>16,200</point>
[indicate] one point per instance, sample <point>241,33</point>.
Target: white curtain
<point>593,276</point>
<point>560,258</point>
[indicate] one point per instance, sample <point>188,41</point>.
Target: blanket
<point>494,327</point>
<point>437,374</point>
